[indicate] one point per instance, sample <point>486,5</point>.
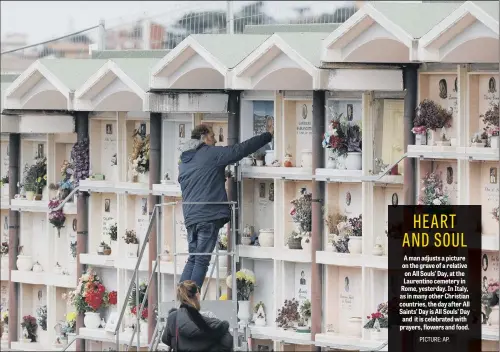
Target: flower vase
<point>246,241</point>
<point>331,159</point>
<point>92,320</point>
<point>143,178</point>
<point>432,137</point>
<point>24,263</point>
<point>5,190</point>
<point>132,249</point>
<point>114,247</point>
<point>295,243</point>
<point>381,335</point>
<point>266,238</point>
<point>493,318</point>
<point>30,195</point>
<point>353,161</point>
<point>269,158</point>
<point>354,244</point>
<point>494,142</point>
<point>244,312</point>
<point>354,327</point>
<point>421,139</point>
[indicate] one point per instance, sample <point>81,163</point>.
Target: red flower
<point>134,310</point>
<point>113,297</point>
<point>144,313</point>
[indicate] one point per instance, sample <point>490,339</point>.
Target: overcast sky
<point>42,20</point>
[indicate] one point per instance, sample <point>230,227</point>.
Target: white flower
<point>85,277</point>
<point>334,132</point>
<point>436,202</point>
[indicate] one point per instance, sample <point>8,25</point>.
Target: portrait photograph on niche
<point>493,175</point>
<point>109,128</point>
<point>443,89</point>
<point>144,206</point>
<point>40,151</point>
<point>142,129</point>
<point>74,225</point>
<point>221,134</point>
<point>182,130</point>
<point>492,85</point>
<point>107,205</point>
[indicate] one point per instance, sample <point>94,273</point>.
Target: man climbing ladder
<point>202,179</point>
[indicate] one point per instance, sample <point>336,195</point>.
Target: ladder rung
<point>210,254</point>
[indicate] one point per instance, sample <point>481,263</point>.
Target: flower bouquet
<point>301,210</point>
<point>90,295</point>
<point>56,217</point>
<point>381,315</point>
<point>29,326</point>
<point>80,157</point>
<point>35,178</point>
<point>432,192</point>
<point>288,315</point>
<point>139,158</point>
<point>336,136</point>
<point>41,313</point>
<point>245,284</point>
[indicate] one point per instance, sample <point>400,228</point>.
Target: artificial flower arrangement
<point>113,232</point>
<point>344,231</point>
<point>35,176</point>
<point>56,217</point>
<point>130,237</point>
<point>496,213</point>
<point>337,239</point>
<point>432,192</point>
<point>41,314</point>
<point>356,226</point>
<point>431,116</point>
<point>294,240</point>
<point>81,160</point>
<point>301,210</point>
<point>139,158</point>
<point>305,313</point>
<point>29,326</point>
<point>491,120</point>
<point>132,301</point>
<point>222,243</point>
<point>69,324</point>
<point>90,295</point>
<point>66,185</point>
<point>379,319</point>
<point>4,180</point>
<point>245,284</point>
<point>288,315</point>
<point>342,136</point>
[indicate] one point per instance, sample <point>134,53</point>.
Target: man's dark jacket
<point>202,176</point>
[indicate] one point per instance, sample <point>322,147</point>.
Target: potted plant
<point>288,315</point>
<point>432,192</point>
<point>4,250</point>
<point>37,174</point>
<point>139,158</point>
<point>355,236</point>
<point>301,211</point>
<point>56,217</point>
<point>294,240</point>
<point>132,243</point>
<point>432,116</point>
<point>476,141</point>
<point>259,158</point>
<point>5,186</point>
<point>41,313</point>
<point>24,262</point>
<point>106,249</point>
<point>80,157</point>
<point>491,121</point>
<point>88,298</point>
<point>113,235</point>
<point>259,316</point>
<point>246,235</point>
<point>245,285</point>
<point>29,182</point>
<point>305,317</point>
<point>378,322</point>
<point>29,327</point>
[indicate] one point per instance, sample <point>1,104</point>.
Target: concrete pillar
<point>82,209</point>
<point>318,195</point>
<point>155,121</point>
<point>233,137</point>
<point>14,233</point>
<point>410,82</point>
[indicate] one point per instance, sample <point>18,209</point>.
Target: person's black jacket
<point>202,177</point>
<point>196,332</point>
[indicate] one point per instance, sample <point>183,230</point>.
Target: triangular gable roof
<point>359,18</point>
<point>477,9</point>
<point>134,73</point>
<point>222,52</point>
<point>282,42</point>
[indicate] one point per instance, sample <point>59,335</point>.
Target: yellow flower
<point>45,177</point>
<point>223,297</point>
<point>71,317</point>
<point>38,179</point>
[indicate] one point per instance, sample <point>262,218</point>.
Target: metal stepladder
<point>224,310</point>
